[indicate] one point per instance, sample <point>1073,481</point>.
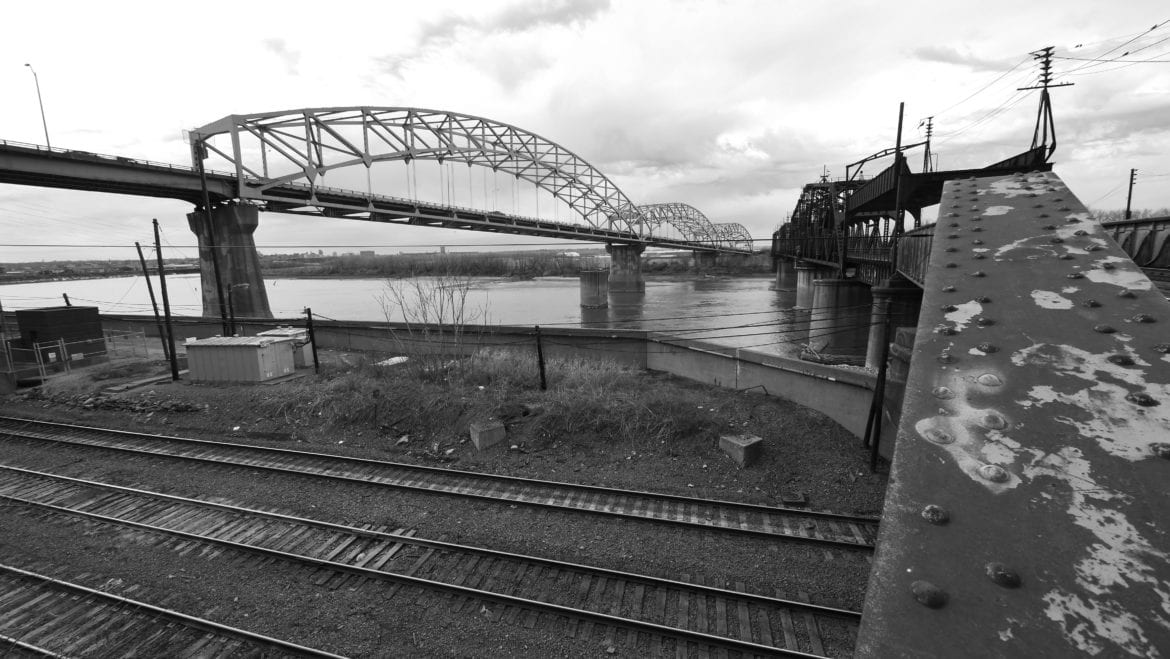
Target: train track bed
<point>795,525</point>
<point>44,616</point>
<point>521,589</point>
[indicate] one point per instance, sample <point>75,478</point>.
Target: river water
<point>734,311</point>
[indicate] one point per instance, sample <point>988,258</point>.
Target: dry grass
<point>590,401</point>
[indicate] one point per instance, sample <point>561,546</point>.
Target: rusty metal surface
<point>1028,513</point>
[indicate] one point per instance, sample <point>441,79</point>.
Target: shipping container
<point>239,358</point>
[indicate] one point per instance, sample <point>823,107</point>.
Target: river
<point>735,311</point>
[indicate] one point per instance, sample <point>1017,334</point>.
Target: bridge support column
<point>901,300</point>
<point>785,273</point>
<point>594,289</point>
<point>704,260</point>
<point>839,322</point>
<point>806,274</point>
<point>239,263</point>
<point>625,268</point>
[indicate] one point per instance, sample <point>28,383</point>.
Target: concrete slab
<point>486,434</point>
<point>744,449</point>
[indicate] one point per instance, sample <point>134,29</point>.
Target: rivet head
<point>1091,304</point>
<point>983,299</point>
<point>945,357</point>
<point>976,229</point>
<point>978,256</point>
<point>1107,266</point>
<point>1049,227</point>
<point>1037,205</point>
<point>946,330</point>
<point>938,436</point>
<point>1000,575</point>
<point>1143,318</point>
<point>976,242</point>
<point>989,380</point>
<point>1121,360</point>
<point>952,235</point>
<point>1094,248</point>
<point>1163,348</point>
<point>1042,215</point>
<point>1065,209</point>
<point>1127,294</point>
<point>948,289</point>
<point>1075,275</point>
<point>948,308</point>
<point>976,219</point>
<point>938,515</point>
<point>1080,232</point>
<point>983,321</point>
<point>1142,398</point>
<point>978,273</point>
<point>943,393</point>
<point>1056,239</point>
<point>993,421</point>
<point>1104,329</point>
<point>952,265</point>
<point>954,224</point>
<point>1072,220</point>
<point>952,214</point>
<point>928,594</point>
<point>1065,257</point>
<point>1160,449</point>
<point>986,348</point>
<point>994,473</point>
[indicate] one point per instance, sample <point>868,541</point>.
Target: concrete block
<point>486,434</point>
<point>744,449</point>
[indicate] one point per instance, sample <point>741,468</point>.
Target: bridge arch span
<point>273,149</point>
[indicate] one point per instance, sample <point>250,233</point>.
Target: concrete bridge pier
<point>625,268</point>
<point>902,300</point>
<point>840,318</point>
<point>239,263</point>
<point>704,261</point>
<point>594,289</point>
<point>806,274</point>
<point>785,273</point>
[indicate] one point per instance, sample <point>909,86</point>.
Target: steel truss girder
<point>695,227</point>
<point>304,144</point>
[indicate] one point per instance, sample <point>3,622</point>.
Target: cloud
<point>290,57</point>
<point>518,18</point>
<point>952,55</point>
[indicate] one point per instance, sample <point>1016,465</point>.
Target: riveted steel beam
<point>1027,512</point>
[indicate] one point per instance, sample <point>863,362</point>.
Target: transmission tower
<point>1045,126</point>
<point>926,164</point>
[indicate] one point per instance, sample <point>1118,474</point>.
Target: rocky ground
<point>603,426</point>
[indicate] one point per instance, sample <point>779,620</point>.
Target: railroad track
<point>809,526</point>
<point>587,602</point>
<point>46,617</point>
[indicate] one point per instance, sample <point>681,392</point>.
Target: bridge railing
<point>914,253</point>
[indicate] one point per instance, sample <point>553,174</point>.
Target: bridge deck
<point>1027,510</point>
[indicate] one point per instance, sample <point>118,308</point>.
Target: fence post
<point>312,338</point>
<point>540,359</point>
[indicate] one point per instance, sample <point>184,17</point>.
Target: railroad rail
<point>808,526</point>
<point>685,613</point>
<point>47,617</point>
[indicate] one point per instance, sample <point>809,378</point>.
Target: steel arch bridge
<point>274,152</point>
<point>694,225</point>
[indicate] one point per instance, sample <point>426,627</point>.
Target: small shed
<point>239,358</point>
<point>300,337</point>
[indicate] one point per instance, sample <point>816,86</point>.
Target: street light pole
<point>41,103</point>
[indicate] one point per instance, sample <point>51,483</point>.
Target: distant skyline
<point>729,106</point>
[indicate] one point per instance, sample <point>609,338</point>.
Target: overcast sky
<point>728,106</point>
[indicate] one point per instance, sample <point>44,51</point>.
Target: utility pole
<point>153,304</point>
<point>1045,125</point>
<point>162,284</point>
<point>1129,197</point>
<point>926,164</point>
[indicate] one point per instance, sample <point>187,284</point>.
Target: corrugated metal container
<point>239,358</point>
<point>301,349</point>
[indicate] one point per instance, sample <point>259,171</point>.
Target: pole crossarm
<point>274,149</point>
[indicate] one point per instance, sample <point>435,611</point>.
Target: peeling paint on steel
<point>1037,413</point>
